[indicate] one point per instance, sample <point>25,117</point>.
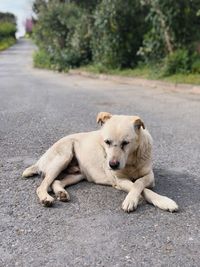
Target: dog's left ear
<point>102,117</point>
<point>138,123</point>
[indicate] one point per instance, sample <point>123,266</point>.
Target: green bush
<point>59,62</point>
<point>42,60</point>
<point>117,34</point>
<point>81,39</point>
<point>7,42</point>
<point>7,17</point>
<point>195,68</point>
<point>62,34</point>
<point>177,62</point>
<point>7,29</point>
<point>171,25</point>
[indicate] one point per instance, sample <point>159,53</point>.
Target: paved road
<point>37,108</point>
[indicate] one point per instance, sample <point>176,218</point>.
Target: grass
<point>145,72</point>
<point>6,43</point>
<point>184,78</point>
<point>41,60</point>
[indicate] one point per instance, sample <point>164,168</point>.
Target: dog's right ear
<point>138,123</point>
<point>102,117</point>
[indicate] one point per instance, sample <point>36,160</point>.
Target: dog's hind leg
<point>30,171</point>
<point>162,202</point>
<point>55,167</point>
<point>59,185</point>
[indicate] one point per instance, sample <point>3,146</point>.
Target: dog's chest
<point>91,163</point>
<point>129,172</point>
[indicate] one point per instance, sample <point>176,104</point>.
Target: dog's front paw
<point>130,203</point>
<point>166,203</point>
<point>47,201</point>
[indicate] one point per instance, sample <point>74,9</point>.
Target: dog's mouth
<point>114,169</point>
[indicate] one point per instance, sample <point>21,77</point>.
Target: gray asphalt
<point>37,108</point>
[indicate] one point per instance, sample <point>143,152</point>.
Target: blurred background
<point>147,38</point>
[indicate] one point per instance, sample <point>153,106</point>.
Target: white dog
<point>119,154</point>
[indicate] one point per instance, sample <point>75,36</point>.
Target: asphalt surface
<point>39,107</point>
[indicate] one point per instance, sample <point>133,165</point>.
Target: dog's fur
<point>119,154</point>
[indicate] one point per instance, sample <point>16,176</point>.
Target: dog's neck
<point>141,154</point>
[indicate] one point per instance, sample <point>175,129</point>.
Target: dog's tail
<point>162,202</point>
<point>30,171</point>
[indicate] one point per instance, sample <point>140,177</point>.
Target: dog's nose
<point>114,164</point>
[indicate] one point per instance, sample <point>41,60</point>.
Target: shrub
<point>195,68</point>
<point>81,39</point>
<point>117,34</point>
<point>60,61</point>
<point>177,62</point>
<point>62,34</point>
<point>7,29</point>
<point>7,17</point>
<point>7,42</point>
<point>42,60</point>
<point>172,24</point>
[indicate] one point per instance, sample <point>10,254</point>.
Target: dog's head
<point>120,137</point>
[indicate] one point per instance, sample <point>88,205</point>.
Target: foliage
<point>81,39</point>
<point>62,31</point>
<point>7,17</point>
<point>88,5</point>
<point>118,32</point>
<point>181,61</point>
<point>7,25</point>
<point>42,60</point>
<point>39,6</point>
<point>189,78</point>
<point>146,71</point>
<point>141,71</point>
<point>7,42</point>
<point>7,30</point>
<point>29,22</point>
<point>172,25</point>
<point>177,62</point>
<point>195,68</point>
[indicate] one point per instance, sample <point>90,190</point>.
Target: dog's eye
<point>108,142</point>
<point>124,143</point>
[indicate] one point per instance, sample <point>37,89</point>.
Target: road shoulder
<point>182,88</point>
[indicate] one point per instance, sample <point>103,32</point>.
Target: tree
<point>38,5</point>
<point>7,17</point>
<point>29,25</point>
<point>62,32</point>
<point>7,25</point>
<point>172,25</point>
<point>118,32</point>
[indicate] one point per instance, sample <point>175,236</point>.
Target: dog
<point>118,154</point>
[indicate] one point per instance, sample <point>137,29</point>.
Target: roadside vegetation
<point>146,72</point>
<point>7,30</point>
<point>153,39</point>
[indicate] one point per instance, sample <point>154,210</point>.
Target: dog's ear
<point>138,123</point>
<point>102,117</point>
